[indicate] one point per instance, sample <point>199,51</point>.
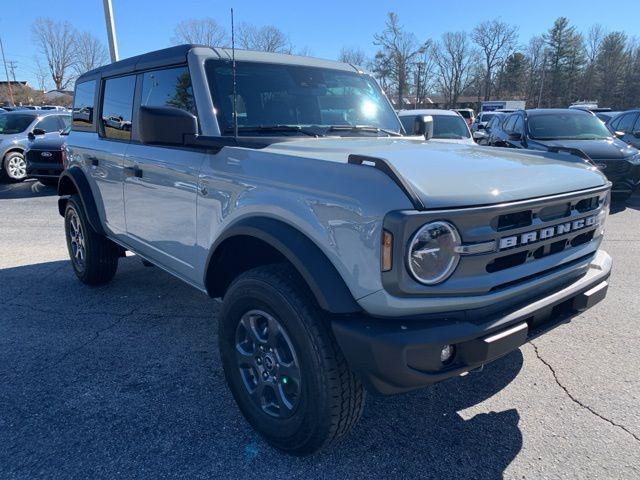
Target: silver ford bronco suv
<point>348,255</point>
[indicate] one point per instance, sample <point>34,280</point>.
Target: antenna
<point>233,69</point>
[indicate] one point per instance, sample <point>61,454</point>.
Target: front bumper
<point>396,355</point>
<point>44,169</point>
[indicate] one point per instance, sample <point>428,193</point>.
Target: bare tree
<point>205,31</point>
<point>263,39</point>
<point>56,41</point>
<point>455,61</point>
<point>398,52</point>
<point>90,53</point>
<point>496,40</point>
<point>352,55</point>
<point>41,73</point>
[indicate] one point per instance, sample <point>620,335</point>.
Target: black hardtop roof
<point>159,58</point>
<point>546,111</point>
<point>178,55</point>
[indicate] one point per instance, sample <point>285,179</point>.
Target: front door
<point>161,183</point>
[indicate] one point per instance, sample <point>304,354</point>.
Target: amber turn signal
<point>387,251</point>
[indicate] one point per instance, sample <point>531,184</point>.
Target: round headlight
<point>432,255</point>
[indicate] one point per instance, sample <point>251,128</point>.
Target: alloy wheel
<point>268,364</point>
<point>17,167</point>
<point>77,240</point>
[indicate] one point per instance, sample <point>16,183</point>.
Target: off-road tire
<point>100,254</point>
<point>331,397</point>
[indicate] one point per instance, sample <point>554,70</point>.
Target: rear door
<point>107,161</point>
<point>161,182</point>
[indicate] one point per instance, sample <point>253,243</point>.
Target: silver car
<point>17,129</point>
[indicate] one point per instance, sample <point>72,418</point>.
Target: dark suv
<point>626,126</point>
<point>577,130</point>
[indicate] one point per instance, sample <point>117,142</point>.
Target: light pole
<point>111,30</point>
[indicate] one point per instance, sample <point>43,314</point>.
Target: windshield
<point>10,124</point>
<point>567,126</point>
<point>485,117</point>
<point>273,95</point>
<point>449,127</point>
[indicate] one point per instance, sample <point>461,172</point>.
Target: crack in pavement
<point>575,400</point>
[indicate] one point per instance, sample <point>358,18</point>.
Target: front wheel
<point>15,166</point>
<point>282,363</point>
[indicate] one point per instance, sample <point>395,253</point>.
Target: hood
<point>446,175</point>
<point>607,149</point>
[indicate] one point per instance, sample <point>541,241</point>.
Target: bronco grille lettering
<point>547,232</point>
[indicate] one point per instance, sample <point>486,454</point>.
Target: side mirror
<point>481,126</point>
<point>636,134</point>
<point>619,134</point>
<point>423,125</point>
<point>516,137</point>
<point>166,125</point>
<point>35,132</point>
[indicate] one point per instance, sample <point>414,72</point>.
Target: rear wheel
<point>93,256</point>
<point>282,363</point>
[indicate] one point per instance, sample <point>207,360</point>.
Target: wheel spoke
<point>273,330</point>
<point>245,358</point>
<point>284,405</point>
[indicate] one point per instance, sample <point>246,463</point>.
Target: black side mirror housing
<point>636,134</point>
<point>165,125</point>
<point>34,133</point>
<point>481,126</point>
<point>423,125</point>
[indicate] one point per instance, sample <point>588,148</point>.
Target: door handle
<point>133,172</point>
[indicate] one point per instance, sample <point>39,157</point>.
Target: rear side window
<point>168,88</point>
<point>49,124</point>
<point>626,122</point>
<point>117,105</point>
<point>83,104</point>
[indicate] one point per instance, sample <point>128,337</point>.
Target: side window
<point>66,120</point>
<point>83,104</point>
<point>509,123</point>
<point>168,88</point>
<point>636,127</point>
<point>518,126</point>
<point>117,104</point>
<point>49,124</point>
<point>625,122</point>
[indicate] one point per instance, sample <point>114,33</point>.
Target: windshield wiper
<point>275,129</point>
<point>362,128</point>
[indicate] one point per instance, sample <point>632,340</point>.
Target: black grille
<point>35,156</point>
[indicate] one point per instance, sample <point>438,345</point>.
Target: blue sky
<point>322,26</point>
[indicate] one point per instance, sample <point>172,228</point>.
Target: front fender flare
<point>324,281</point>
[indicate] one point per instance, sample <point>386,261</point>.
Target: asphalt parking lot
<point>125,381</point>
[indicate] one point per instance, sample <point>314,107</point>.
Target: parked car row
<point>25,130</point>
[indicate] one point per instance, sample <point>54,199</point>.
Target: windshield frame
<point>606,133</point>
<point>389,124</point>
